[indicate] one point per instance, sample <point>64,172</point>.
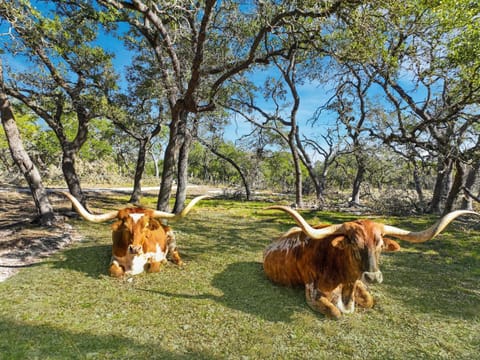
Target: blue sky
<point>312,95</point>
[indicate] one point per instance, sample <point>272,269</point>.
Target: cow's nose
<point>372,277</point>
<point>134,249</point>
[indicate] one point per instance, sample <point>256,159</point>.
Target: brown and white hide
<point>331,269</point>
<point>336,262</point>
<point>140,243</point>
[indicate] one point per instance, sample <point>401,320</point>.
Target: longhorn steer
<point>335,262</point>
<point>140,241</point>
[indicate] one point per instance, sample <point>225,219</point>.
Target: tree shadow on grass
<point>91,260</point>
<point>245,288</point>
<point>25,341</point>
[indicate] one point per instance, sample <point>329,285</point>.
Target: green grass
<point>221,306</point>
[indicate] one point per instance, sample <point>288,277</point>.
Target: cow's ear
<point>116,225</point>
<point>390,245</point>
<point>339,242</point>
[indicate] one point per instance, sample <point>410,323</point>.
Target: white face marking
<point>135,217</point>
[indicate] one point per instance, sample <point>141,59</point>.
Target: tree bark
<point>357,182</point>
<point>139,169</point>
<point>319,183</point>
<point>170,160</point>
<point>298,173</point>
<point>418,187</point>
<point>455,187</point>
<point>182,170</point>
<point>469,183</point>
<point>444,168</point>
<point>70,174</point>
<point>23,160</point>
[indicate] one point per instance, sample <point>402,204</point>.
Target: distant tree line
<point>398,88</point>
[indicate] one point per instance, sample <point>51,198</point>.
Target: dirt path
<point>23,243</point>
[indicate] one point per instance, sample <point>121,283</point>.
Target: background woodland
<point>139,93</point>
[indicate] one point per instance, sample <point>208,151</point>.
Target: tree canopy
<point>388,80</point>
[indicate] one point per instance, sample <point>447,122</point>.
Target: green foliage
<point>99,143</point>
<point>221,305</point>
<point>460,20</point>
<point>278,170</point>
<point>206,167</point>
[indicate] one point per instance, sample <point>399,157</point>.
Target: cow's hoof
<point>116,271</point>
<point>334,314</point>
<point>154,267</point>
<point>176,259</point>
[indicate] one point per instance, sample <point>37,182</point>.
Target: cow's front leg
<point>116,270</point>
<point>154,266</point>
<point>344,297</point>
<point>318,301</point>
<point>175,257</point>
<point>172,248</point>
<point>362,297</point>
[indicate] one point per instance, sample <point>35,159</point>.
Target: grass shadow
<point>245,288</point>
<point>25,341</point>
<point>91,260</point>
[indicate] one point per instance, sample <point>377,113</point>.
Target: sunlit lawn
<point>221,306</point>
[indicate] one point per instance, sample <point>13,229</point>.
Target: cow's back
<point>283,259</point>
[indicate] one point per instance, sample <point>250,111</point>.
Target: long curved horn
<point>430,233</point>
<point>307,229</point>
<point>183,213</point>
<point>86,215</point>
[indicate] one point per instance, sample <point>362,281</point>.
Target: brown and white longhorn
<point>335,262</point>
<point>140,241</point>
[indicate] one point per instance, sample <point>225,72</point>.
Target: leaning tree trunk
<point>23,161</point>
<point>70,174</point>
<point>318,183</point>
<point>444,168</point>
<point>70,150</point>
<point>357,182</point>
<point>168,174</point>
<point>455,188</point>
<point>298,175</point>
<point>181,194</point>
<point>139,169</point>
<point>170,161</point>
<point>472,175</point>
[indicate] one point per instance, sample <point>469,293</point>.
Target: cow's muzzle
<point>372,277</point>
<point>135,249</point>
